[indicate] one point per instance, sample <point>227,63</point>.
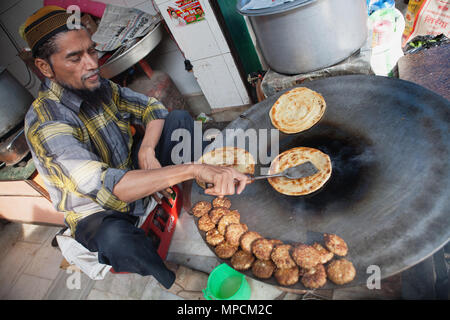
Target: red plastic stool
<point>161,222</point>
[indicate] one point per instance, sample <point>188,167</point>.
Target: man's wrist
<point>194,168</point>
<point>148,148</point>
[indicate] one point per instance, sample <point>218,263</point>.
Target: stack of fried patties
<point>266,257</point>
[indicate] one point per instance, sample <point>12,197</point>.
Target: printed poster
<point>184,12</point>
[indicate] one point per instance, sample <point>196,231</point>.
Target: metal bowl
<point>133,55</point>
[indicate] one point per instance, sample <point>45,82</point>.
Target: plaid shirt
<point>82,151</point>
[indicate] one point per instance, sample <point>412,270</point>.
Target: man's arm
<point>137,184</point>
<point>147,112</point>
<point>146,156</point>
<point>72,166</point>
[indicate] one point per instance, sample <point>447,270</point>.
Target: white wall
<point>166,57</point>
<point>204,44</point>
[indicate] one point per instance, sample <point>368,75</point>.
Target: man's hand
<point>224,179</point>
<point>147,160</point>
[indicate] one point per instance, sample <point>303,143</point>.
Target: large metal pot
<point>14,102</point>
<point>308,35</point>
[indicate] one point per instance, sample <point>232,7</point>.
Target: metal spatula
<point>303,170</point>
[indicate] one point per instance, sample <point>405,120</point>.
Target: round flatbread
<point>297,110</point>
<point>234,157</point>
<point>291,158</point>
<point>201,208</point>
<point>263,269</point>
<point>287,276</point>
<point>247,240</point>
<point>242,260</point>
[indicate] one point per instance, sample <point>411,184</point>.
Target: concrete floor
<point>30,269</point>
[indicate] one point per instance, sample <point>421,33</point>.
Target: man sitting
<point>79,134</point>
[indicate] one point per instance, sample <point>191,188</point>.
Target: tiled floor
<point>30,269</point>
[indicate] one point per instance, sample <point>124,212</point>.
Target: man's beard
<point>95,97</point>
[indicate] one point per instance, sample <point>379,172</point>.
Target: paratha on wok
<point>302,186</point>
<point>234,157</point>
<point>297,110</point>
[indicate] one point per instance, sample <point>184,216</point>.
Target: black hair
<point>48,48</point>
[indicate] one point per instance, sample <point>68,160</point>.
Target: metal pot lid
<point>389,193</point>
<point>273,10</point>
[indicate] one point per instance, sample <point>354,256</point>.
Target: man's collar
<point>66,97</point>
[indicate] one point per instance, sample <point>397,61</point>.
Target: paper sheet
<point>120,25</point>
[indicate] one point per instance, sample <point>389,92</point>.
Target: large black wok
<point>388,195</point>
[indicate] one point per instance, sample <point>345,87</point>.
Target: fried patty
<point>242,260</point>
<point>335,244</point>
<point>205,223</point>
<point>341,271</point>
<point>262,248</point>
<point>216,213</point>
<point>247,240</point>
<point>276,242</point>
<point>263,269</point>
<point>221,202</point>
<point>201,208</point>
<point>325,255</point>
<point>225,250</point>
<point>234,232</point>
<point>281,256</point>
<point>315,278</point>
<point>227,219</point>
<point>287,276</point>
<point>305,256</point>
<point>213,237</point>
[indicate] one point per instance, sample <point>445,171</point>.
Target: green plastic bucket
<point>225,283</point>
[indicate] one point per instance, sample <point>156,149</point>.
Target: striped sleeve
<point>70,166</point>
<point>142,108</point>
